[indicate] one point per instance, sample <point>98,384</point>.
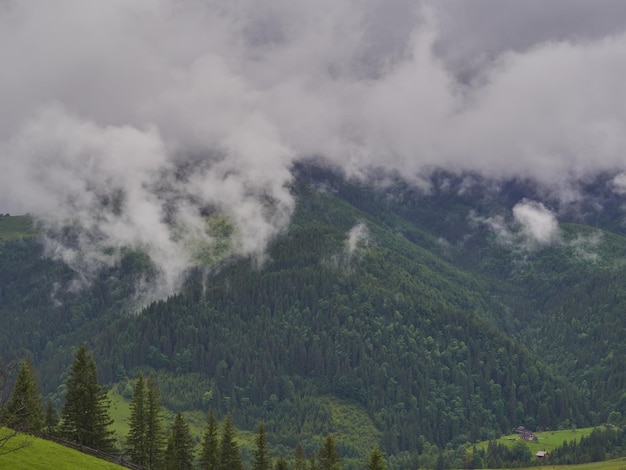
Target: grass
<point>546,440</point>
<point>41,454</point>
<point>616,464</point>
<point>120,412</point>
<point>15,227</point>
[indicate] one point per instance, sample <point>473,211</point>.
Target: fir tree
<point>376,460</point>
<point>261,458</point>
<point>137,439</point>
<point>179,452</point>
<point>209,458</point>
<point>329,456</point>
<point>300,458</point>
<point>85,412</point>
<point>24,410</point>
<point>154,425</point>
<point>230,458</point>
<point>51,417</point>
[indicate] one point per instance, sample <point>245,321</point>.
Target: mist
<point>133,121</point>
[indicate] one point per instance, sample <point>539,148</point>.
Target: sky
<point>129,120</point>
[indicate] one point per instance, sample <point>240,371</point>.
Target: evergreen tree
<point>300,458</point>
<point>281,464</point>
<point>260,455</point>
<point>209,458</point>
<point>376,460</point>
<point>230,458</point>
<point>154,425</point>
<point>329,456</point>
<point>179,452</point>
<point>24,410</point>
<point>51,417</point>
<point>137,439</point>
<point>85,412</point>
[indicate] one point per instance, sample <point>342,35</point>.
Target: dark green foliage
<point>601,444</point>
<point>299,458</point>
<point>24,410</point>
<point>281,464</point>
<point>376,460</point>
<point>260,455</point>
<point>179,451</point>
<point>209,456</point>
<point>85,416</point>
<point>499,455</point>
<point>51,418</point>
<point>230,458</point>
<point>154,433</point>
<point>328,455</point>
<point>433,328</point>
<point>137,439</point>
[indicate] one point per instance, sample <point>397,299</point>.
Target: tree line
<point>85,420</point>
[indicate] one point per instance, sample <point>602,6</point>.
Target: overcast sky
<point>129,117</point>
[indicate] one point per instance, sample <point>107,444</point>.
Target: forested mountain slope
<point>404,303</point>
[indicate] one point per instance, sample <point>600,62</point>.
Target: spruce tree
<point>209,458</point>
<point>24,410</point>
<point>376,460</point>
<point>155,437</point>
<point>137,439</point>
<point>51,417</point>
<point>179,451</point>
<point>300,458</point>
<point>261,458</point>
<point>328,455</point>
<point>230,458</point>
<point>85,413</point>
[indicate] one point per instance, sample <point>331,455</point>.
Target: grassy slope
<point>15,227</point>
<point>42,454</point>
<point>617,464</point>
<point>547,440</point>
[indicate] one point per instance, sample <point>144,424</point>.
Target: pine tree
<point>24,410</point>
<point>329,457</point>
<point>376,460</point>
<point>230,458</point>
<point>179,452</point>
<point>85,412</point>
<point>154,426</point>
<point>300,458</point>
<point>51,417</point>
<point>137,439</point>
<point>209,458</point>
<point>261,458</point>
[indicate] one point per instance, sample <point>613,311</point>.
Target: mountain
<point>396,314</point>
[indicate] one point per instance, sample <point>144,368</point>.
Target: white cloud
<point>183,106</point>
<point>538,224</point>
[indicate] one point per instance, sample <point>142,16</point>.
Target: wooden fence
<point>116,459</point>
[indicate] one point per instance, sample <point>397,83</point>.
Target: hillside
<point>383,303</point>
<point>41,454</point>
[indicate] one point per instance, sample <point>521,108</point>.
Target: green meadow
<point>15,227</point>
<point>41,454</point>
<point>546,440</point>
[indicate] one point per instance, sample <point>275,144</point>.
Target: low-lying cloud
<point>131,121</point>
<point>538,224</point>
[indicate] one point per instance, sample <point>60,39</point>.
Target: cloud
<point>131,121</point>
<point>532,226</point>
<point>359,234</point>
<point>538,224</point>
